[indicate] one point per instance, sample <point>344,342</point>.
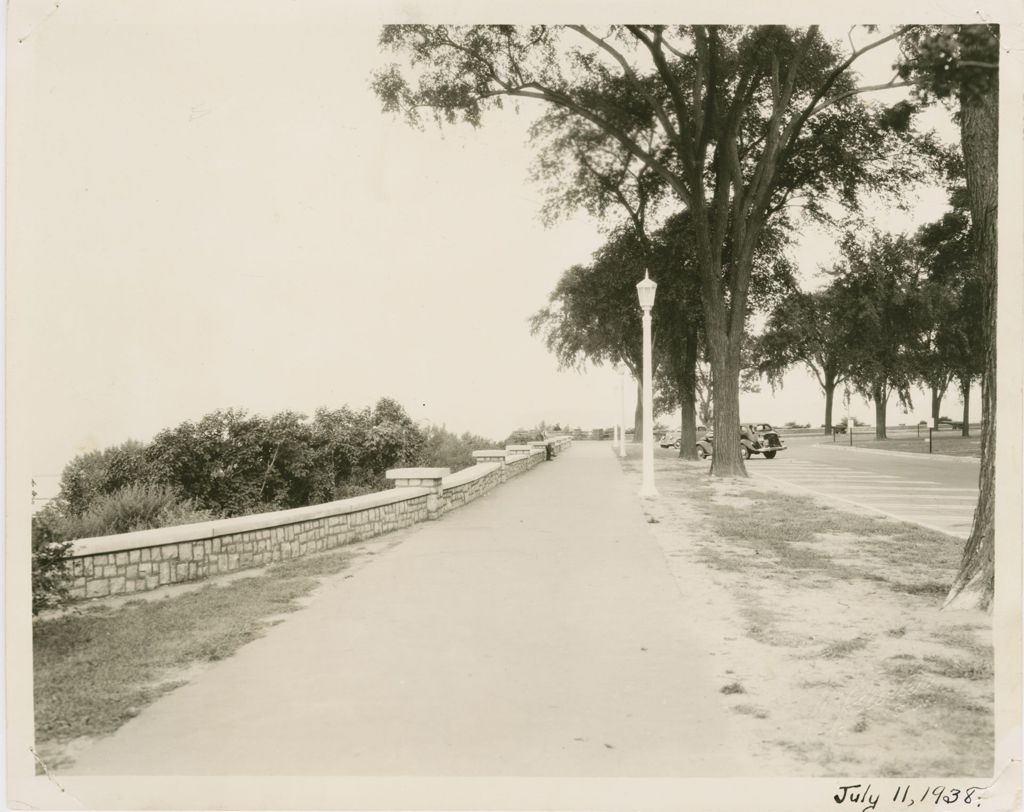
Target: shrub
<point>443,449</point>
<point>49,558</point>
<point>134,507</point>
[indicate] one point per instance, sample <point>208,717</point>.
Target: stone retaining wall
<point>148,559</point>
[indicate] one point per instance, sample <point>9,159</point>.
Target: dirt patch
<point>827,631</point>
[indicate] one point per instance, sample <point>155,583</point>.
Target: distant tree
<point>953,292</point>
<point>219,462</point>
<point>355,448</point>
<point>804,328</point>
<point>593,315</point>
<point>877,295</point>
<point>97,473</point>
<point>959,64</point>
<point>444,449</point>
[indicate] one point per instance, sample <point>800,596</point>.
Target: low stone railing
<point>148,559</point>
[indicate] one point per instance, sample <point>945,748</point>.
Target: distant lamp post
<point>622,410</point>
<point>645,291</point>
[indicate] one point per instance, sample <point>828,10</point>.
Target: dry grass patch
<point>97,667</point>
<point>834,621</point>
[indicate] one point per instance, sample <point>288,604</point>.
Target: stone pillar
<point>492,455</point>
<point>430,478</point>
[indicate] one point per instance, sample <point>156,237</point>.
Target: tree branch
<point>627,69</point>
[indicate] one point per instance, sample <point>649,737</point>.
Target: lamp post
<point>645,291</point>
<point>622,411</point>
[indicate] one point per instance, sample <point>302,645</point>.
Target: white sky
<point>213,212</point>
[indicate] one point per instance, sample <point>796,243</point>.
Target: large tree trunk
<point>979,136</point>
<point>880,396</point>
<point>936,405</point>
<point>965,395</point>
<point>687,392</point>
<point>725,456</point>
<point>830,393</point>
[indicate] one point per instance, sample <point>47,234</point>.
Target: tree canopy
<point>737,122</point>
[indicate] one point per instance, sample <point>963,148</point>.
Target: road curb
<point>904,454</point>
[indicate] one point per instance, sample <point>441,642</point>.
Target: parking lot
<point>934,491</point>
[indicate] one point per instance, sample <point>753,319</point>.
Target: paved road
<point>536,631</point>
<point>927,489</point>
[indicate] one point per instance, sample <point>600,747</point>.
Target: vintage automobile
<point>755,438</point>
<point>670,439</point>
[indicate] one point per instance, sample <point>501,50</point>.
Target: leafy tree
<point>805,328</point>
<point>353,448</point>
<point>96,473</point>
<point>959,64</point>
<point>220,463</point>
<point>877,295</point>
<point>736,121</point>
<point>593,315</point>
<point>585,169</point>
<point>445,449</point>
<point>953,291</point>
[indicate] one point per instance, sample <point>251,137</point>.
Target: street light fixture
<point>645,291</point>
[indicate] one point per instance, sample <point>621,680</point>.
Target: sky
<point>209,210</point>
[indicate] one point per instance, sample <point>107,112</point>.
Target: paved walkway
<point>536,631</point>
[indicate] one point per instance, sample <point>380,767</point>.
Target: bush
<point>49,558</point>
<point>134,507</point>
<point>443,449</point>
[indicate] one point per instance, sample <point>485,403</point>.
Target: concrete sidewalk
<point>536,631</point>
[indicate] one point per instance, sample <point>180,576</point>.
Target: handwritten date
<point>907,795</point>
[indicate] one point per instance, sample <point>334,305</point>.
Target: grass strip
<point>97,668</point>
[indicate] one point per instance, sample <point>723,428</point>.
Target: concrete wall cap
<point>490,452</point>
<point>417,473</point>
<point>470,474</point>
<point>225,527</point>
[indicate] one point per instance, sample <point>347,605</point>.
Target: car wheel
<point>770,455</point>
<point>675,444</point>
<point>702,453</point>
<point>746,453</point>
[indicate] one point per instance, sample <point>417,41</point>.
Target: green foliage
<point>736,124</point>
<point>133,507</point>
<point>91,475</point>
<point>805,328</point>
<point>444,449</point>
<point>49,558</point>
<point>953,344</point>
<point>353,449</point>
<point>878,295</point>
<point>951,61</point>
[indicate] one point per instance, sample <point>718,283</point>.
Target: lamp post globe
<point>645,290</point>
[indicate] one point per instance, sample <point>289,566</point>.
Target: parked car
<point>760,438</point>
<point>755,438</point>
<point>670,439</point>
